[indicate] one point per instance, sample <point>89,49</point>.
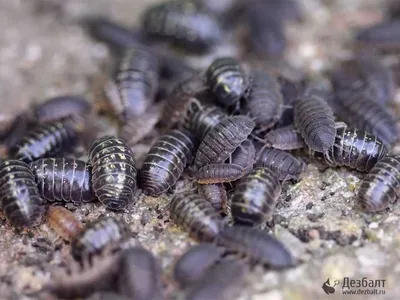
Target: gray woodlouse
<point>283,164</point>
<point>227,81</point>
<point>381,186</point>
<point>224,281</point>
<point>355,149</point>
<point>215,194</point>
<point>182,23</point>
<point>219,173</point>
<point>98,235</point>
<point>223,139</point>
<point>113,172</point>
<point>19,196</point>
<point>257,245</point>
<point>166,161</point>
<point>135,83</point>
<point>63,179</point>
<point>385,36</point>
<point>192,265</point>
<point>195,215</point>
<point>61,107</point>
<point>264,101</point>
<point>45,140</point>
<point>255,197</point>
<point>63,222</point>
<point>139,275</point>
<point>244,156</point>
<point>314,119</point>
<point>284,138</point>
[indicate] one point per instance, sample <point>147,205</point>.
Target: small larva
<point>63,222</point>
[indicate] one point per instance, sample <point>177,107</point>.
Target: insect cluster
<point>225,131</point>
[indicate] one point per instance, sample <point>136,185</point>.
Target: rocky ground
<point>44,52</point>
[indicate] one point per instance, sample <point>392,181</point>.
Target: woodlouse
<point>135,83</point>
<point>97,236</point>
<point>255,197</point>
<point>215,194</point>
<point>244,156</point>
<point>19,196</point>
<point>223,139</point>
<point>227,81</point>
<point>13,132</point>
<point>139,275</point>
<point>45,140</point>
<point>195,215</point>
<point>63,222</point>
<point>283,164</point>
<point>113,172</point>
<point>264,101</point>
<point>165,162</point>
<point>314,119</point>
<point>182,23</point>
<point>257,245</point>
<point>192,265</point>
<point>385,35</point>
<point>381,186</point>
<point>63,179</point>
<point>284,138</point>
<point>355,149</point>
<point>219,173</point>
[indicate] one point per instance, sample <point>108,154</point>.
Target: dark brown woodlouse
<point>255,197</point>
<point>113,172</point>
<point>63,222</point>
<point>97,236</point>
<point>284,138</point>
<point>282,163</point>
<point>166,161</point>
<point>227,81</point>
<point>223,139</point>
<point>257,245</point>
<point>182,23</point>
<point>195,215</point>
<point>45,140</point>
<point>134,85</point>
<point>61,107</point>
<point>215,194</point>
<point>139,275</point>
<point>219,173</point>
<point>244,156</point>
<point>223,281</point>
<point>381,186</point>
<point>314,119</point>
<point>192,265</point>
<point>19,196</point>
<point>63,179</point>
<point>354,149</point>
<point>382,36</point>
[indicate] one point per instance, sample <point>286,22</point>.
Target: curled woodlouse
<point>182,23</point>
<point>227,81</point>
<point>63,179</point>
<point>199,119</point>
<point>224,281</point>
<point>264,101</point>
<point>139,275</point>
<point>113,172</point>
<point>45,140</point>
<point>135,83</point>
<point>195,215</point>
<point>385,35</point>
<point>314,119</point>
<point>255,197</point>
<point>219,173</point>
<point>98,235</point>
<point>283,164</point>
<point>355,149</point>
<point>19,196</point>
<point>381,186</point>
<point>61,107</point>
<point>244,156</point>
<point>215,194</point>
<point>257,245</point>
<point>222,140</point>
<point>165,162</point>
<point>63,222</point>
<point>284,138</point>
<point>192,265</point>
